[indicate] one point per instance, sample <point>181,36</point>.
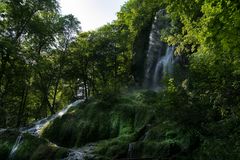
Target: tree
<point>209,33</point>
<point>34,39</point>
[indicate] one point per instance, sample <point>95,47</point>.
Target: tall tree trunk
<point>5,59</point>
<point>46,104</point>
<point>50,107</point>
<point>45,91</point>
<point>58,79</point>
<point>85,87</point>
<point>115,73</point>
<point>22,105</point>
<point>42,110</point>
<point>55,92</point>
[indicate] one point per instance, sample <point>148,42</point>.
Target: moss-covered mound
<point>7,140</point>
<point>128,125</point>
<point>147,125</point>
<point>162,141</point>
<point>99,119</point>
<point>30,148</point>
<point>137,125</point>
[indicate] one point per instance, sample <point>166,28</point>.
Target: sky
<point>92,13</point>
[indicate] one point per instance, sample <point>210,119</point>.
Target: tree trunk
<point>115,73</point>
<point>50,107</point>
<point>45,91</point>
<point>55,92</point>
<point>22,105</point>
<point>85,87</point>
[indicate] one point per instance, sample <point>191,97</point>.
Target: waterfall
<point>131,151</point>
<point>15,146</point>
<point>164,67</point>
<point>2,130</point>
<point>159,62</point>
<point>36,128</point>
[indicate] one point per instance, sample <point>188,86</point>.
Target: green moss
<point>95,121</point>
<point>5,149</point>
<point>131,125</point>
<point>139,119</point>
<point>28,146</point>
<point>111,117</point>
<point>116,147</point>
<point>7,140</point>
<point>33,148</point>
<point>49,152</point>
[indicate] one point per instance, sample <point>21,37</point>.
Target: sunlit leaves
<point>210,33</point>
<point>34,40</point>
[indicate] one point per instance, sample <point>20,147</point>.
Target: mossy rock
<point>131,125</point>
<point>101,119</point>
<point>131,118</point>
<point>154,150</point>
<point>34,148</point>
<point>49,152</point>
<point>114,148</point>
<point>30,148</point>
<point>7,140</point>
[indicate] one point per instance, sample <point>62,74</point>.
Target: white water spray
<point>164,66</point>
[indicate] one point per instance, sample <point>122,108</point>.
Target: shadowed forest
<point>160,82</point>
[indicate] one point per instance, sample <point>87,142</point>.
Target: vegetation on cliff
<point>45,60</point>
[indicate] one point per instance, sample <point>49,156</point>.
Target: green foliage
<point>34,39</point>
<point>100,60</point>
<point>117,121</point>
<point>7,140</point>
<point>208,32</point>
<point>98,120</point>
<point>44,60</point>
<point>135,14</point>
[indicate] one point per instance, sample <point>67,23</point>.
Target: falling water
<point>159,60</point>
<point>2,130</point>
<point>81,153</point>
<point>164,66</point>
<point>38,126</point>
<point>15,146</point>
<point>75,155</point>
<point>131,150</point>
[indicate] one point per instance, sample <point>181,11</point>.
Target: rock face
<point>156,49</point>
<point>140,48</point>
